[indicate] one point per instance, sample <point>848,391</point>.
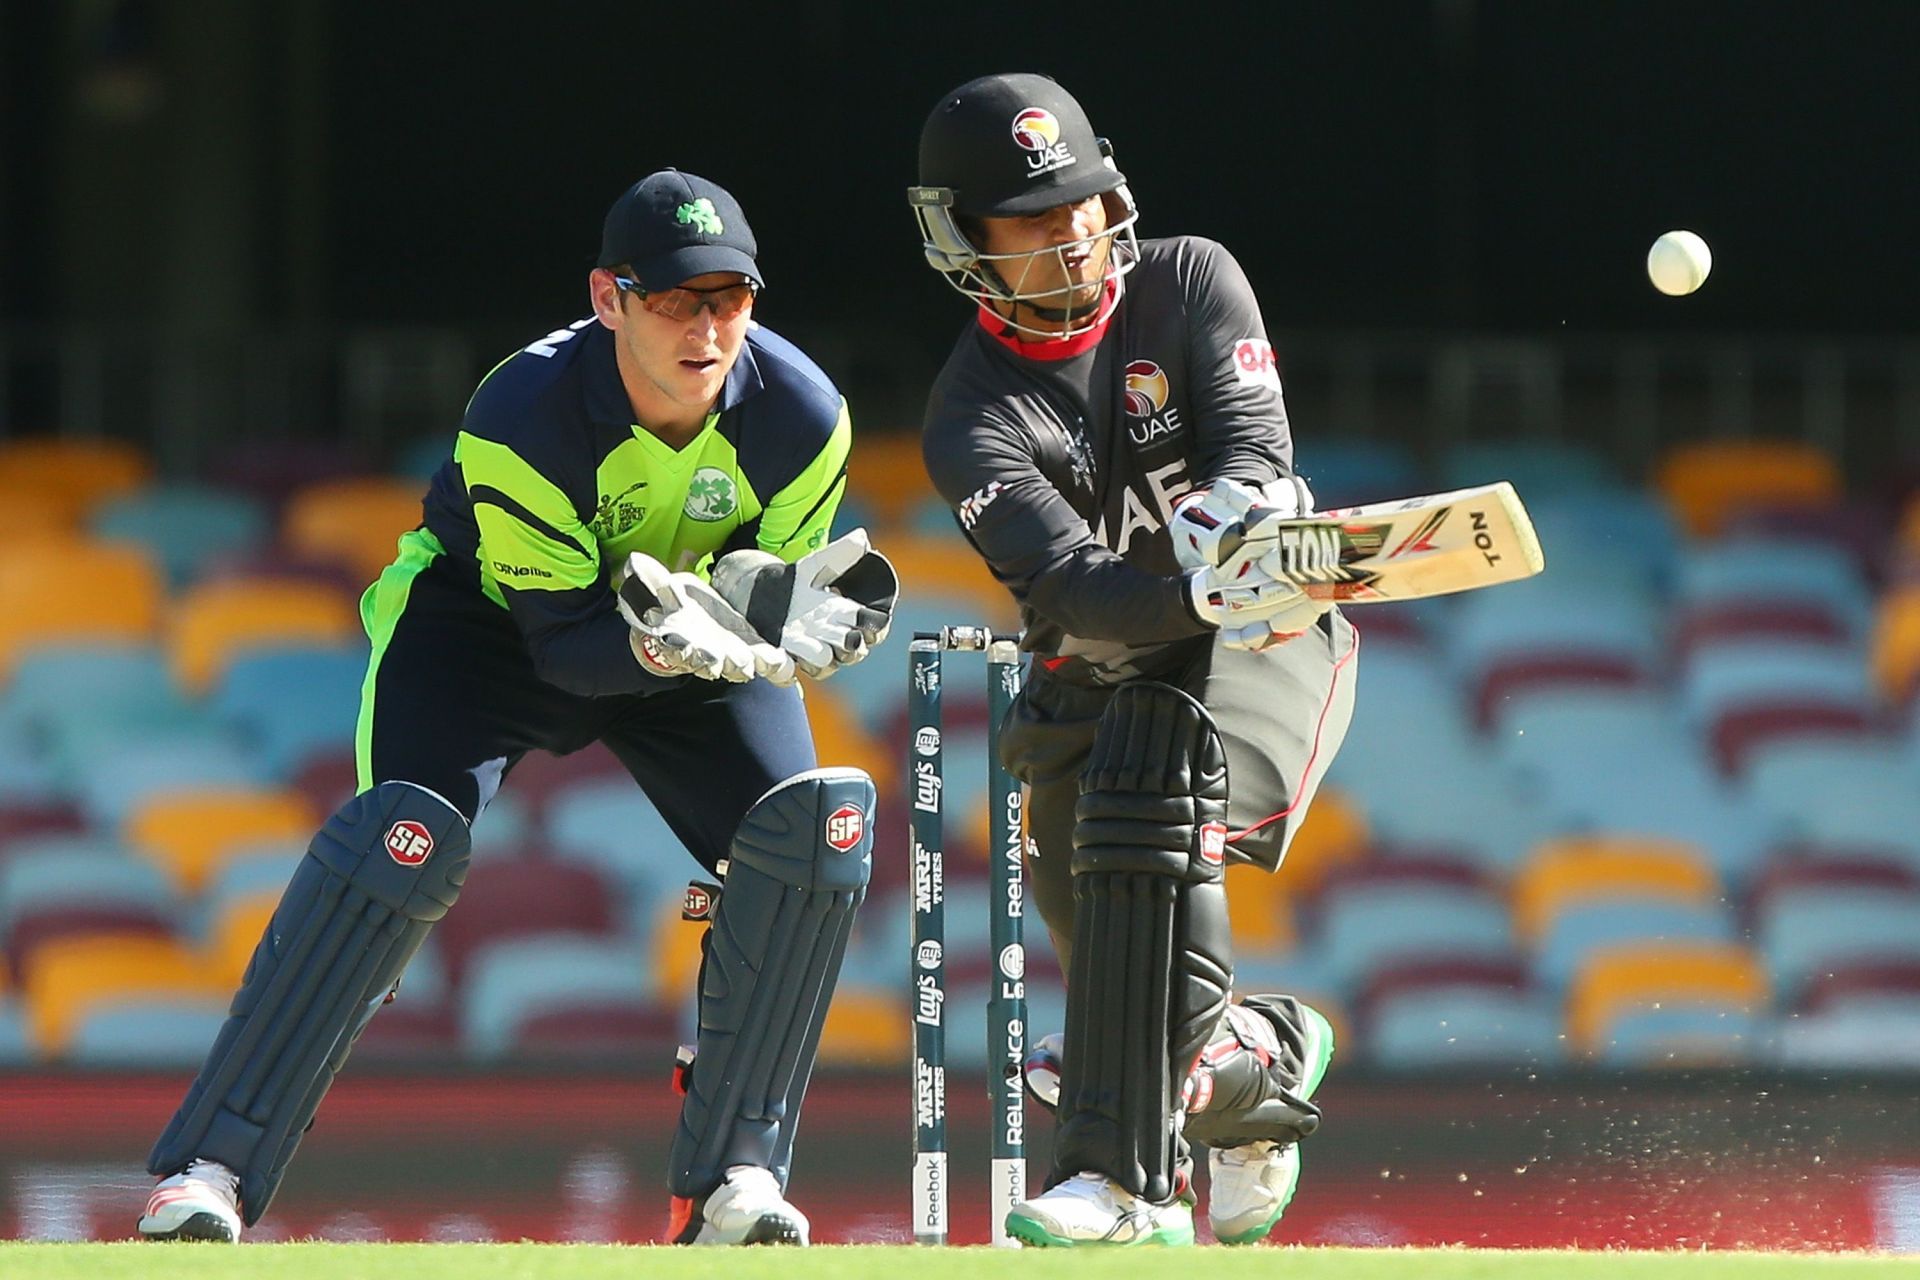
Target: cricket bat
<point>1431,545</point>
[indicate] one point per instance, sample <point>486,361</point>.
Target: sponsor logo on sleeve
<point>1254,363</point>
<point>979,500</point>
<point>409,843</point>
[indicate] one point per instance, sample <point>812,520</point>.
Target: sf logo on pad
<point>408,843</point>
<point>845,826</point>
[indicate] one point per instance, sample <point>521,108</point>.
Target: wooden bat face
<point>1431,545</point>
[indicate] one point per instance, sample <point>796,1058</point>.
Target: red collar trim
<point>1048,348</point>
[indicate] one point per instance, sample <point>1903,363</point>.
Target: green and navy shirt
<point>552,484</point>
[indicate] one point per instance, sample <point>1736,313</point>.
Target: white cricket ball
<point>1678,263</point>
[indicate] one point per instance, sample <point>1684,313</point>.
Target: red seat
<point>329,779</point>
<point>1867,978</point>
<point>540,775</point>
<point>408,1032</point>
<point>1515,676</point>
<point>1429,868</point>
<point>38,818</point>
<point>646,1032</point>
<point>1861,869</point>
<point>1427,974</point>
<point>1716,624</point>
<point>1737,733</point>
<point>1858,527</point>
<point>506,898</point>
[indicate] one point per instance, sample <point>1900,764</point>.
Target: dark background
<point>1429,166</point>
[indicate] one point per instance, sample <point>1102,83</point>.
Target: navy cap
<point>1013,144</point>
<point>673,226</point>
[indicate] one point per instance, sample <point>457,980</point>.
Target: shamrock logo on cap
<point>702,215</point>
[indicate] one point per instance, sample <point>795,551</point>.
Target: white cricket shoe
<point>1088,1209</point>
<point>1252,1185</point>
<point>745,1209</point>
<point>201,1202</point>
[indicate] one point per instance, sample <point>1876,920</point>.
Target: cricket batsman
<point>613,483</point>
<point>1111,413</point>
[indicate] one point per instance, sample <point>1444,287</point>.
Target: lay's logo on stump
<point>845,826</point>
<point>408,843</point>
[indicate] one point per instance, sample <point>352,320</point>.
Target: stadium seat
<point>1685,1034</point>
<point>509,897</point>
<point>1890,985</point>
<point>1896,646</point>
<point>235,930</point>
<point>127,686</point>
<point>1844,792</point>
<point>16,1046</point>
<point>81,473</point>
<point>1579,933</point>
<point>1632,978</point>
<point>840,739</point>
<point>272,470</point>
<point>121,779</point>
<point>611,825</point>
<point>1601,538</point>
<point>1800,867</point>
<point>1538,469</point>
<point>1710,483</point>
<point>1760,571</point>
<point>290,704</point>
<point>1808,933</point>
<point>1850,1039</point>
<point>512,982</point>
<point>1572,871</point>
<point>866,1028</point>
<point>1739,622</point>
<point>1349,473</point>
<point>1462,1026</point>
<point>1262,911</point>
<point>40,581</point>
<point>1334,835</point>
<point>216,623</point>
<point>1367,927</point>
<point>1772,673</point>
<point>190,833</point>
<point>1857,526</point>
<point>184,527</point>
<point>70,977</point>
<point>73,883</point>
<point>886,475</point>
<point>149,1034</point>
<point>356,522</point>
<point>27,514</point>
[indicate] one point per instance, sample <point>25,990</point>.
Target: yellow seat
<point>947,568</point>
<point>65,591</point>
<point>676,953</point>
<point>355,522</point>
<point>885,474</point>
<point>217,621</point>
<point>1334,834</point>
<point>236,933</point>
<point>840,739</point>
<point>866,1029</point>
<point>33,513</point>
<point>1261,908</point>
<point>68,977</point>
<point>1563,873</point>
<point>1615,981</point>
<point>76,475</point>
<point>190,834</point>
<point>1896,645</point>
<point>1708,483</point>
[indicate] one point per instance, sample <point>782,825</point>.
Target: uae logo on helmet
<point>1035,129</point>
<point>1146,389</point>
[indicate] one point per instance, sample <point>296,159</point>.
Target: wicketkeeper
<point>630,545</point>
<point>1107,427</point>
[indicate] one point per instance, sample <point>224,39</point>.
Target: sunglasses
<point>726,302</point>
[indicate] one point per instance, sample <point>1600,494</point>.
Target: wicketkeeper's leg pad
<point>1152,959</point>
<point>378,875</point>
<point>796,873</point>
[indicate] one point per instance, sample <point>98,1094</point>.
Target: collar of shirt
<point>1001,332</point>
<point>606,395</point>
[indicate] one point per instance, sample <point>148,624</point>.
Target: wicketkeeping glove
<point>828,610</point>
<point>681,626</point>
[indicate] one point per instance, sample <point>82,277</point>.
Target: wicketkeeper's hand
<point>681,626</point>
<point>827,611</point>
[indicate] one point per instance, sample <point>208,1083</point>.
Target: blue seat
<point>26,775</point>
<point>1685,1035</point>
<point>127,685</point>
<point>1849,1039</point>
<point>186,527</point>
<point>1804,933</point>
<point>1761,672</point>
<point>420,459</point>
<point>62,872</point>
<point>1367,926</point>
<point>1351,473</point>
<point>292,703</point>
<point>119,778</point>
<point>1551,616</point>
<point>1761,568</point>
<point>1462,1026</point>
<point>1581,930</point>
<point>1838,792</point>
<point>16,1048</point>
<point>611,825</point>
<point>170,1034</point>
<point>512,981</point>
<point>1606,536</point>
<point>1536,468</point>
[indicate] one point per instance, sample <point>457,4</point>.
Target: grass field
<point>589,1262</point>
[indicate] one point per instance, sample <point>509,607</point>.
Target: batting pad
<point>796,874</point>
<point>378,875</point>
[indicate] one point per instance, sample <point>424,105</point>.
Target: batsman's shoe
<point>1252,1185</point>
<point>745,1209</point>
<point>199,1203</point>
<point>1088,1209</point>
